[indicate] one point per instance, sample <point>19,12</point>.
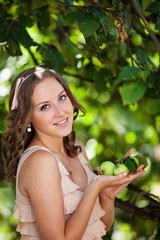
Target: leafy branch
<point>78,76</point>
<point>85,7</point>
<point>150,212</point>
<point>147,27</point>
<point>131,56</point>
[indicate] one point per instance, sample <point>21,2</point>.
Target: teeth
<point>61,122</point>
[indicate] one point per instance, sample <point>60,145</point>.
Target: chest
<point>77,172</point>
<point>79,175</point>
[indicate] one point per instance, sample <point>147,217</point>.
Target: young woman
<point>58,197</point>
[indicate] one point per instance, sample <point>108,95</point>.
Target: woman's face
<point>52,113</point>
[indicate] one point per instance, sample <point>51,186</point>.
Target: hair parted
<point>16,139</point>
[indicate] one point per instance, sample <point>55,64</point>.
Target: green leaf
<point>101,16</point>
<point>141,54</point>
<point>52,57</point>
<point>145,4</point>
<point>144,74</point>
<point>92,42</point>
<point>3,33</point>
<point>154,105</point>
<point>26,20</point>
<point>130,164</point>
<point>142,160</point>
<point>154,7</point>
<point>157,26</point>
<point>101,37</point>
<point>43,15</point>
<point>37,4</point>
<point>110,21</point>
<point>12,47</point>
<point>128,21</point>
<point>20,33</point>
<point>115,3</point>
<point>87,23</point>
<point>139,6</point>
<point>3,12</point>
<point>127,73</point>
<point>133,91</point>
<point>70,18</point>
<point>100,79</point>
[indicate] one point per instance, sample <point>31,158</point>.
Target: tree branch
<point>151,197</point>
<point>84,7</point>
<point>147,27</point>
<point>150,212</point>
<point>130,53</point>
<point>79,76</point>
<point>147,213</point>
<point>33,57</point>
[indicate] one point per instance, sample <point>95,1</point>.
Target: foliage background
<point>109,52</point>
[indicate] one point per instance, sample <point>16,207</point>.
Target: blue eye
<point>62,98</point>
<point>44,107</point>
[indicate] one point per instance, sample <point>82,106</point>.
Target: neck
<point>51,146</point>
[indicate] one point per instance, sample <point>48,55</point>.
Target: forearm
<point>76,225</point>
<point>108,206</point>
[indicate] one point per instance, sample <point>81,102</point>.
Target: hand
<point>111,192</point>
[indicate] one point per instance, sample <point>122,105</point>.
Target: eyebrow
<point>48,101</point>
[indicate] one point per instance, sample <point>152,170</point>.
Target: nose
<point>59,110</point>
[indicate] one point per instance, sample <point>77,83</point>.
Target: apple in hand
<point>119,168</point>
<point>107,168</point>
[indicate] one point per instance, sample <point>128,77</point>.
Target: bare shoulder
<point>40,159</point>
<point>38,166</point>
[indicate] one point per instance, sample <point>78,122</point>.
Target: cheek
<point>39,119</point>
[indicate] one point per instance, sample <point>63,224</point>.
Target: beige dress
<point>72,196</point>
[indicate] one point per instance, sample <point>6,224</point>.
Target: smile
<point>61,122</point>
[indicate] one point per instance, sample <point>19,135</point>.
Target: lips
<point>63,122</point>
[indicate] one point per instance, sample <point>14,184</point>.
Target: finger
<point>132,176</point>
<point>98,170</point>
<point>127,153</point>
<point>140,167</point>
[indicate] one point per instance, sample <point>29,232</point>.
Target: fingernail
<point>124,174</point>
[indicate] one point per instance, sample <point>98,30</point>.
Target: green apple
<point>136,40</point>
<point>119,168</point>
<point>136,160</point>
<point>106,168</point>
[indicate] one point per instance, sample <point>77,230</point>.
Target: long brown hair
<point>16,139</point>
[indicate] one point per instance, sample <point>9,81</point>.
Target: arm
<point>107,196</point>
<point>44,189</point>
